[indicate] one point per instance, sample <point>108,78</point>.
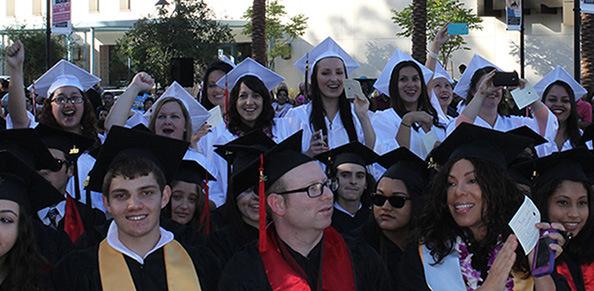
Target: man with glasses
<point>299,250</point>
<point>346,166</point>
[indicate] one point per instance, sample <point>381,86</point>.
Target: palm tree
<point>419,35</point>
<point>587,59</point>
<point>259,31</point>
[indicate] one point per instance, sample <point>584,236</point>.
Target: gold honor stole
<point>179,269</point>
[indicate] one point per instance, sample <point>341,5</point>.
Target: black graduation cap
<point>166,153</point>
<point>353,152</point>
<point>25,144</point>
<point>243,150</point>
<point>73,145</point>
<point>521,169</point>
<point>573,165</point>
<point>192,172</point>
<point>22,184</point>
<point>588,133</point>
<point>526,131</point>
<point>471,141</point>
<point>402,164</point>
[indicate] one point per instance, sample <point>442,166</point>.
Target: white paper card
<point>429,139</point>
<point>524,225</point>
<point>524,97</point>
<point>352,89</point>
<point>216,117</point>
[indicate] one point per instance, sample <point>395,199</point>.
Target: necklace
<point>472,277</point>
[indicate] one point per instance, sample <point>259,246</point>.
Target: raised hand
<point>142,82</point>
<point>502,266</point>
<point>15,55</point>
<point>361,105</point>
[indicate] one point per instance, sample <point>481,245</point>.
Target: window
<point>36,8</point>
<point>125,5</point>
<point>93,5</point>
<point>10,8</point>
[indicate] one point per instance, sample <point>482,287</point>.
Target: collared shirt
<point>341,209</point>
<point>61,207</point>
<point>114,241</point>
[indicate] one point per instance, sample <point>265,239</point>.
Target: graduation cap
<point>440,72</point>
<point>198,114</point>
<point>353,152</point>
<point>476,64</point>
<point>243,150</point>
<point>560,74</point>
<point>520,171</point>
<point>26,144</point>
<point>382,84</point>
<point>228,60</point>
<point>325,49</point>
<point>73,145</point>
<point>402,164</point>
<point>252,68</point>
<point>527,132</point>
<point>62,74</point>
<point>471,141</point>
<point>573,165</point>
<point>122,142</point>
<point>21,184</point>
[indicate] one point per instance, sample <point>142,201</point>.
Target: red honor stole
<point>73,224</point>
<point>285,274</point>
<point>587,273</point>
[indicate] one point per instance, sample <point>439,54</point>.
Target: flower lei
<point>472,277</point>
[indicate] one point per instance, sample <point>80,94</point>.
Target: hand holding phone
<point>352,89</point>
<point>544,258</point>
<point>508,79</point>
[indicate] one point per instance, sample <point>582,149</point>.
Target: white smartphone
<point>352,89</point>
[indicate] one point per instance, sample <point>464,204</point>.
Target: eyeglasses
<point>396,201</point>
<point>61,100</point>
<point>314,190</point>
<point>61,164</point>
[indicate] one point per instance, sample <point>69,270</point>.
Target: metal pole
<point>48,32</point>
<point>577,23</point>
<point>522,56</point>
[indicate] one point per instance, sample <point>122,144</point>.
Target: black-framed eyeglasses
<point>314,190</point>
<point>61,100</point>
<point>396,201</point>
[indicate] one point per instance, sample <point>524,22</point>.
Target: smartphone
<point>458,28</point>
<point>508,79</point>
<point>352,89</point>
<point>544,258</point>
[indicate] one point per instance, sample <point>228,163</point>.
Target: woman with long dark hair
<point>559,92</point>
<point>332,120</point>
<point>563,194</point>
<point>486,105</point>
<point>212,95</point>
<point>463,232</point>
<point>411,116</point>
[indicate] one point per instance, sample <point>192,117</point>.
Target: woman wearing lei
<point>465,240</point>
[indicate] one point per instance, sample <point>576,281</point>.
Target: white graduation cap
<point>382,84</point>
<point>476,64</point>
<point>325,49</point>
<point>250,67</point>
<point>560,74</point>
<point>440,72</point>
<point>62,74</point>
<point>198,114</point>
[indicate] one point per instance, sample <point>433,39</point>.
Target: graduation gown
<point>349,225</point>
<point>579,277</point>
<point>231,239</point>
<point>80,270</point>
<point>370,273</point>
<point>53,245</point>
<point>391,255</point>
<point>186,234</point>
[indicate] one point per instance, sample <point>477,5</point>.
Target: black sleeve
<point>244,272</point>
<point>411,274</point>
<point>207,267</point>
<point>370,272</point>
<point>79,270</point>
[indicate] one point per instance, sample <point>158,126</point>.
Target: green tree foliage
<point>34,42</point>
<point>439,13</point>
<point>279,35</point>
<point>188,31</point>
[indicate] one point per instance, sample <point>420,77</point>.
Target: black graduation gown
<point>231,239</point>
<point>350,226</point>
<point>391,255</point>
<point>93,221</point>
<point>245,270</point>
<point>53,245</point>
<point>80,270</point>
<point>186,234</point>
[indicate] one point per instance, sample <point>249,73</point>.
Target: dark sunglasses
<point>61,164</point>
<point>396,201</point>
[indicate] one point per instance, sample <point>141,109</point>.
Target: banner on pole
<point>587,6</point>
<point>61,17</point>
<point>513,11</point>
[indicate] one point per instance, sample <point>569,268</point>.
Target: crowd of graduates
<point>232,190</point>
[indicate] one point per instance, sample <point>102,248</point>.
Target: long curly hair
<point>503,107</point>
<point>423,104</point>
<point>216,66</point>
<point>501,199</point>
<point>24,262</point>
<point>580,246</point>
<point>88,120</point>
<point>571,124</point>
<point>316,118</point>
<point>265,120</point>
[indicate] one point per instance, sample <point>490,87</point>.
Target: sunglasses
<point>61,164</point>
<point>396,201</point>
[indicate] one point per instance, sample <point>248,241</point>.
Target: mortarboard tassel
<point>262,245</point>
<point>205,214</point>
<point>73,225</point>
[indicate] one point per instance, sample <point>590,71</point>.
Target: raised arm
<point>473,109</point>
<point>362,110</point>
<point>17,106</point>
<point>440,39</point>
<point>121,108</point>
